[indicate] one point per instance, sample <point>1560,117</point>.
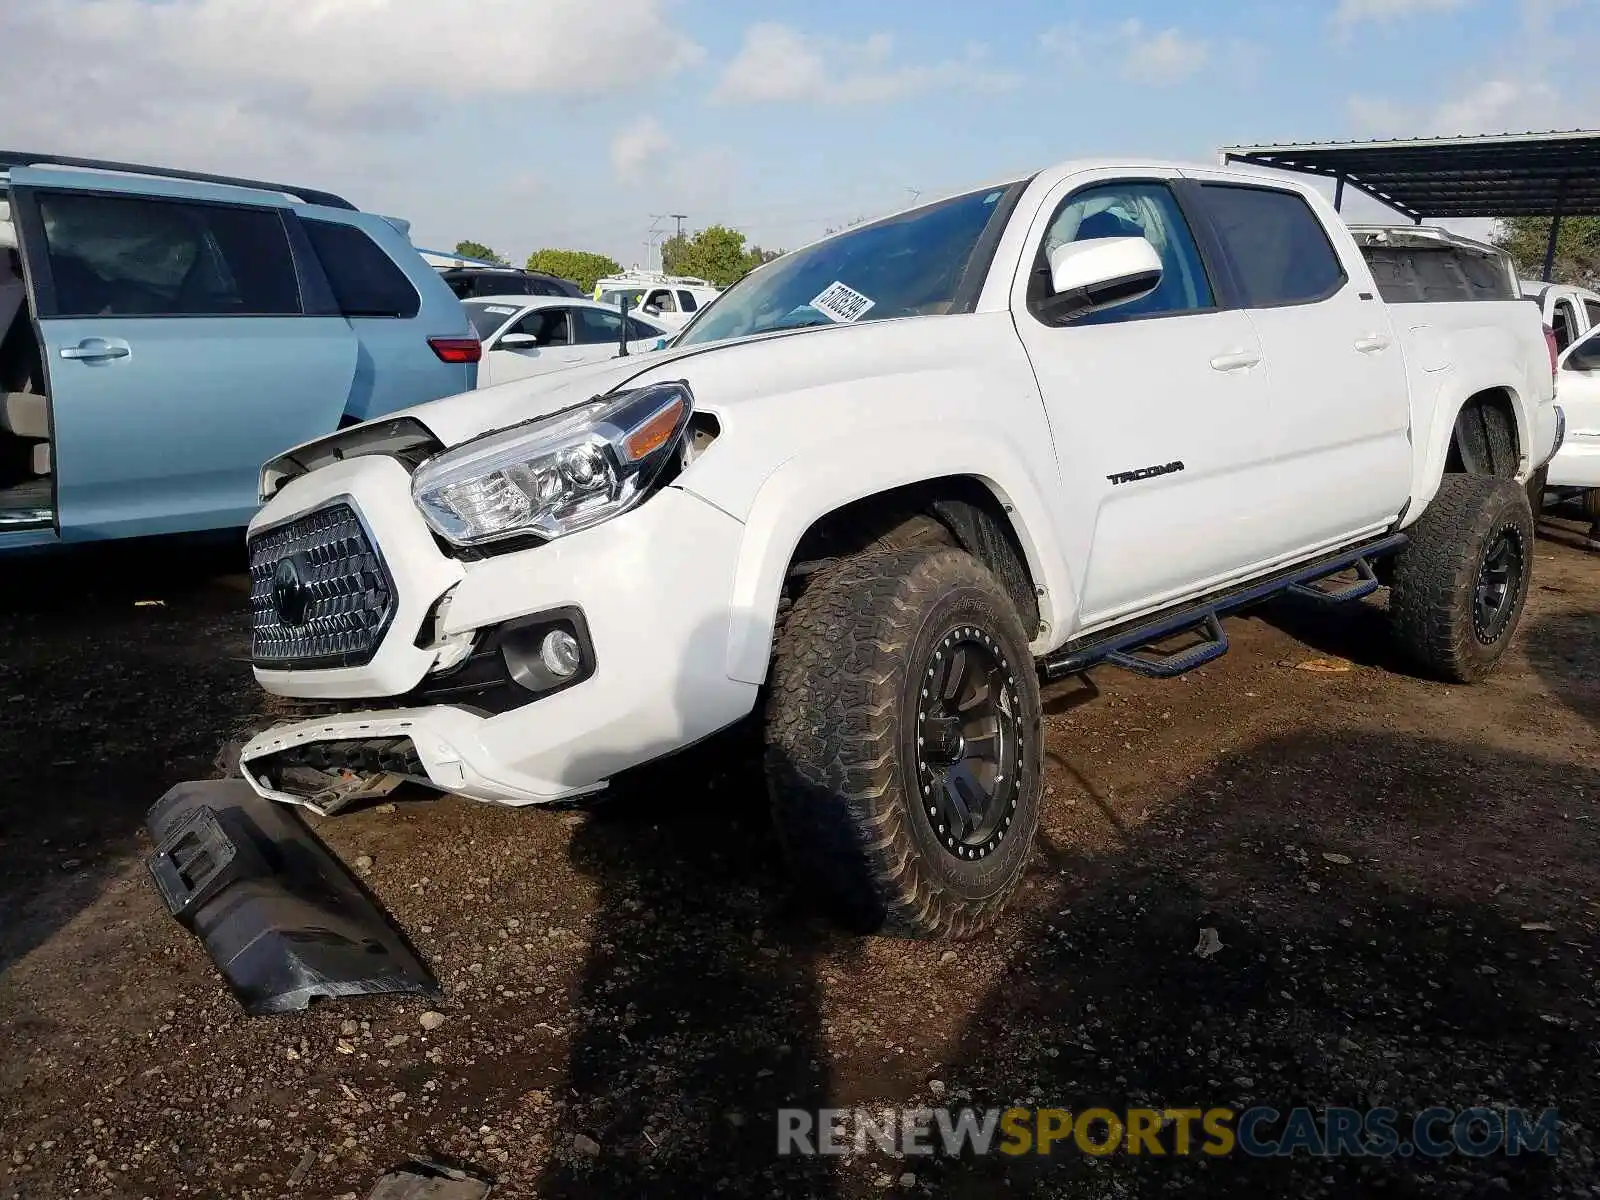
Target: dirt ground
<point>632,991</point>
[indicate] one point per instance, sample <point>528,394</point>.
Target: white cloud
<point>1351,13</point>
<point>778,63</point>
<point>1154,57</point>
<point>261,86</point>
<point>637,150</point>
<point>1492,106</point>
<point>1161,58</point>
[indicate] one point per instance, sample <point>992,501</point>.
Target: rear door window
<point>140,256</point>
<point>687,300</point>
<point>1592,309</point>
<point>365,280</point>
<point>596,325</point>
<point>1277,246</point>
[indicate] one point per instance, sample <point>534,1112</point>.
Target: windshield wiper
<point>807,323</point>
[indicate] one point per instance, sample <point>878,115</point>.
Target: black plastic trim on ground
<point>281,917</point>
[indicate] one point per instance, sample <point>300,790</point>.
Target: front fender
<point>824,478</point>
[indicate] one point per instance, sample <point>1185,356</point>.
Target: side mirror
<point>650,310</point>
<point>1101,273</point>
<point>518,341</point>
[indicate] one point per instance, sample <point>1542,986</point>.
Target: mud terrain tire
<point>903,742</point>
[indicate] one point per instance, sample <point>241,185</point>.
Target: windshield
<point>486,318</point>
<point>615,295</point>
<point>911,265</point>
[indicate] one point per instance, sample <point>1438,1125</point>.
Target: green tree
<point>1577,247</point>
<point>479,250</point>
<point>581,266</point>
<point>673,253</point>
<point>716,253</point>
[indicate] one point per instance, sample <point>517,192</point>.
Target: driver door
<point>178,353</point>
<point>1159,408</point>
<point>552,348</point>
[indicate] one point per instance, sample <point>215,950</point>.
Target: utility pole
<point>655,231</point>
<point>680,218</point>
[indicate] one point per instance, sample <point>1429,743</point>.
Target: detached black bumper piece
<point>283,919</point>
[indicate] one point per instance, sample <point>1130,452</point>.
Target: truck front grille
<point>320,594</point>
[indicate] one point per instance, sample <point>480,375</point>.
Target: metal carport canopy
<point>1498,175</point>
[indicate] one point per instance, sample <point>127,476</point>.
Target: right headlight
<point>556,475</point>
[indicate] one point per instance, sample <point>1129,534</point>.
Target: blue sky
<point>574,123</point>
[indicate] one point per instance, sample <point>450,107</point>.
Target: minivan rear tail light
<point>457,349</point>
<point>1555,350</point>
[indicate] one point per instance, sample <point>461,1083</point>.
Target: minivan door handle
<point>1236,360</point>
<point>96,350</point>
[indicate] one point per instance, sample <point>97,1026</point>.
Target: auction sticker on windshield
<point>501,310</point>
<point>842,303</point>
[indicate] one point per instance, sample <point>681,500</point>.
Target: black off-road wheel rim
<point>969,743</point>
<point>1498,588</point>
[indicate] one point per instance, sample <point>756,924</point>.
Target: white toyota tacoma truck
<point>887,484</point>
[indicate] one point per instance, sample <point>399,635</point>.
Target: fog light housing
<point>560,654</point>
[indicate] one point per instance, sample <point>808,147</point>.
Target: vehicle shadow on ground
<point>699,1014</point>
<point>1395,973</point>
<point>1357,631</point>
<point>1398,973</point>
<point>125,668</point>
<point>1564,651</point>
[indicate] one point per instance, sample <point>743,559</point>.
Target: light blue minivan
<point>164,333</point>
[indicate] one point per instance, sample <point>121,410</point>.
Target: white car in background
<point>533,335</point>
<point>1569,310</point>
<point>670,302</point>
<point>1575,470</point>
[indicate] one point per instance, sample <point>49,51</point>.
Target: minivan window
<point>137,256</point>
<point>365,280</point>
<point>1278,247</point>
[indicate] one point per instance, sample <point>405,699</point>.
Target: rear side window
<point>1279,250</point>
<point>136,256</point>
<point>365,280</point>
<point>1592,307</point>
<point>690,304</point>
<point>595,325</point>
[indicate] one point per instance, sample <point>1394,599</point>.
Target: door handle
<point>1372,343</point>
<point>95,349</point>
<point>1235,360</point>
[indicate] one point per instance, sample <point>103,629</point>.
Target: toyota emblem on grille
<point>291,593</point>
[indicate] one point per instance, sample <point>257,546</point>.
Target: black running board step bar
<point>281,917</point>
<point>1359,589</point>
<point>1170,666</point>
<point>1074,658</point>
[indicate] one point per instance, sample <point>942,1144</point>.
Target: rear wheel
<point>1459,588</point>
<point>903,752</point>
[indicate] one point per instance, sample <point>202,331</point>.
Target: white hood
<point>719,374</point>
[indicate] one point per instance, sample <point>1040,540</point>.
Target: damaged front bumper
<point>279,914</point>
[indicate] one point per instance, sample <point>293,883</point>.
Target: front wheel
<point>1459,588</point>
<point>903,742</point>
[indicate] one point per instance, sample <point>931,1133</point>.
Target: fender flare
<point>1453,396</point>
<point>807,487</point>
